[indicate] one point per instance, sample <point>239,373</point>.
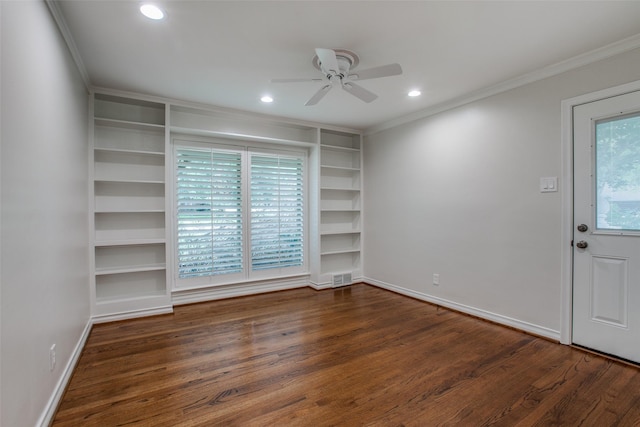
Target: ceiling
<point>224,53</point>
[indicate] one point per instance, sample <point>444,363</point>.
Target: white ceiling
<point>224,53</point>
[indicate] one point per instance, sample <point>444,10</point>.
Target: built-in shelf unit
<point>129,240</point>
<point>340,206</point>
<point>132,180</point>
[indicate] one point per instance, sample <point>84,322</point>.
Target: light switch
<point>548,184</point>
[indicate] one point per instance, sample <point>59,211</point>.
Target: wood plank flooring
<point>347,357</point>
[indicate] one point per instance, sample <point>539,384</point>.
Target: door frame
<point>566,186</point>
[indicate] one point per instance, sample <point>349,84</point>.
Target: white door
<point>606,235</point>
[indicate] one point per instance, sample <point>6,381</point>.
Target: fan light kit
<point>337,67</point>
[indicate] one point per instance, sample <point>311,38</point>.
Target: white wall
<point>44,237</point>
<point>458,194</point>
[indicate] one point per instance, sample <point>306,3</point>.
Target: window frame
<point>246,149</point>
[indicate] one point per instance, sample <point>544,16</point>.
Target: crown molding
<point>578,61</point>
<point>54,8</point>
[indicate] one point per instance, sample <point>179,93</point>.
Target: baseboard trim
<point>104,318</point>
<point>319,286</point>
<point>473,311</point>
<point>190,296</point>
<point>52,405</point>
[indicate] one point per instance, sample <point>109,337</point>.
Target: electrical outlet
<point>52,357</point>
<point>436,279</point>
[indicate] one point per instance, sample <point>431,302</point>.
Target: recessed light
<point>266,99</point>
<point>414,93</point>
<point>152,11</point>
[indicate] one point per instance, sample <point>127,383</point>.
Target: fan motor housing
<point>342,55</point>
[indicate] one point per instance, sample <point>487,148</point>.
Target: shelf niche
<point>116,136</point>
<point>128,197</point>
<point>127,286</point>
<point>128,110</point>
<point>117,259</point>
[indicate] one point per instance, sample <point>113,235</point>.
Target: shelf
<point>122,210</point>
<point>343,149</point>
<point>126,242</point>
<point>123,197</point>
<point>139,138</point>
<point>124,286</point>
<point>336,232</point>
<point>126,124</point>
<point>130,181</point>
<point>132,269</point>
<point>341,263</point>
<point>129,226</point>
<point>346,251</point>
<point>129,259</point>
<point>334,244</point>
<point>340,178</point>
<point>340,158</point>
<point>121,150</point>
<point>340,168</point>
<point>340,189</point>
<point>117,109</point>
<point>339,222</point>
<point>118,166</point>
<point>340,200</point>
<point>345,141</point>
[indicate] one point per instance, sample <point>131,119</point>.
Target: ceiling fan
<point>337,67</point>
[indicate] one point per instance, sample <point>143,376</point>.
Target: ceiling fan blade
<point>328,60</point>
<point>359,92</point>
<point>318,95</point>
<point>294,80</point>
<point>377,72</point>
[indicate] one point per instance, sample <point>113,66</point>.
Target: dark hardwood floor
<point>347,357</point>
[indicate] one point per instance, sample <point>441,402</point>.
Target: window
<point>240,214</point>
<point>209,222</point>
<point>277,212</point>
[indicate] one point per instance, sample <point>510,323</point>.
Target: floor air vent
<point>341,279</point>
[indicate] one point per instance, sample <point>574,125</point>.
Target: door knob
<point>582,228</point>
<point>582,244</point>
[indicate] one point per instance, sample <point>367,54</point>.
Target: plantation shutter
<point>277,212</point>
<point>209,212</point>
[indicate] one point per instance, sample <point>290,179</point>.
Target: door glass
<point>617,143</point>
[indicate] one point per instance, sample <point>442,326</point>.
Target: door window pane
<point>617,144</point>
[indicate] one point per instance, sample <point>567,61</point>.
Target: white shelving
<point>131,170</point>
<point>340,204</point>
<point>129,245</point>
